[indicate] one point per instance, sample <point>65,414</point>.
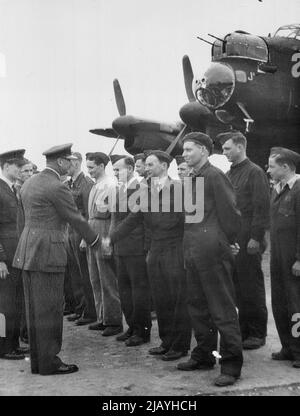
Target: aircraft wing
<point>105,132</point>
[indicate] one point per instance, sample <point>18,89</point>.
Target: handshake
<point>106,247</point>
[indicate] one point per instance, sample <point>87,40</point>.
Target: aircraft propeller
<point>188,77</point>
<point>119,98</point>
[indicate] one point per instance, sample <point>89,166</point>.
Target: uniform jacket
<point>209,240</point>
<point>253,197</point>
<point>48,206</point>
<point>285,220</point>
<point>80,189</point>
<point>10,211</point>
<point>133,243</point>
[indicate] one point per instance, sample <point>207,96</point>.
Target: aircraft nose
<point>216,86</point>
<point>122,125</point>
<point>194,114</point>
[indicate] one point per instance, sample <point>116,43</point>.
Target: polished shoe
<point>192,365</point>
<point>22,350</point>
<point>136,340</point>
<point>14,355</point>
<point>84,321</point>
<point>24,339</point>
<point>125,336</point>
<point>97,326</point>
<point>224,380</point>
<point>66,369</point>
<point>282,355</point>
<point>253,343</point>
<point>158,350</point>
<point>296,364</point>
<point>68,312</point>
<point>73,317</point>
<point>112,330</point>
<point>172,355</point>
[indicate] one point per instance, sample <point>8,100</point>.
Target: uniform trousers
<point>285,291</point>
<point>211,304</point>
<point>104,280</point>
<point>44,301</point>
<point>168,283</point>
<point>11,299</point>
<point>80,279</point>
<point>134,292</point>
<point>250,289</point>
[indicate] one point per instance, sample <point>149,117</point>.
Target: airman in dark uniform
<point>285,252</point>
<point>80,186</point>
<point>165,263</point>
<point>209,263</point>
<point>42,257</point>
<point>253,200</point>
<point>11,287</point>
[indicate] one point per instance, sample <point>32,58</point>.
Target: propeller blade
<point>113,148</point>
<point>177,138</point>
<point>119,98</point>
<point>188,77</point>
<point>105,132</point>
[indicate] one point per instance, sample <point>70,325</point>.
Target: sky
<point>58,59</point>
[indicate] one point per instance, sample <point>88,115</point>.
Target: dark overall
<point>285,250</point>
<point>253,200</point>
<point>209,264</point>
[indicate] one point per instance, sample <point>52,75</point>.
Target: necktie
<point>15,191</point>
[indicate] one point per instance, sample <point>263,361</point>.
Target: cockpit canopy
<point>240,44</point>
<point>289,31</point>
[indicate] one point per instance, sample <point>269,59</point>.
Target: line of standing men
<point>208,257</point>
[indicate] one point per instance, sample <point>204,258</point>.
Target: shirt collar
<point>74,178</point>
<point>9,183</point>
<point>198,172</point>
<point>239,165</point>
<point>161,182</point>
<point>127,184</point>
<point>53,170</point>
<point>290,183</point>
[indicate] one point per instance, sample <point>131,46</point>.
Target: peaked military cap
<point>179,159</point>
<point>63,150</point>
<point>77,155</point>
<point>115,158</point>
<point>139,156</point>
<point>13,156</point>
<point>199,138</point>
<point>161,155</point>
<point>99,156</point>
<point>286,155</point>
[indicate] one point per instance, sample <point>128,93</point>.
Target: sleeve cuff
<point>95,241</point>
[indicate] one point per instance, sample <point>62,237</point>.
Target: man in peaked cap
<point>182,167</point>
<point>209,264</point>
<point>285,251</point>
<point>253,200</point>
<point>102,267</point>
<point>11,288</point>
<point>42,257</point>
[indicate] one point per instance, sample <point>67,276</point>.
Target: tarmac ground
<point>108,367</point>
